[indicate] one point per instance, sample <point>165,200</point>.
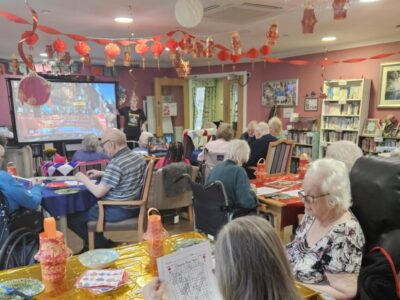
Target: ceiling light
<point>123,20</point>
<point>43,54</point>
<point>368,1</point>
<point>166,49</point>
<point>328,38</point>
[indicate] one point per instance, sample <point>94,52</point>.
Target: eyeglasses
<point>308,198</point>
<point>103,143</point>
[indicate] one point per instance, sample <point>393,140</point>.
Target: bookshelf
<point>374,145</point>
<point>305,136</point>
<point>344,111</point>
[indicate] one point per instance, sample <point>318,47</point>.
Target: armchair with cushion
<point>127,224</point>
<point>375,187</point>
<point>182,198</point>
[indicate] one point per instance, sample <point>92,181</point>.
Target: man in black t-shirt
<point>134,119</point>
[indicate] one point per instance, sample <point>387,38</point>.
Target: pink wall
<point>309,80</point>
<point>310,77</point>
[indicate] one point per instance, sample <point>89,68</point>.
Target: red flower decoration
<point>157,49</point>
<point>141,48</point>
<point>31,39</point>
<point>112,50</point>
<point>60,45</point>
<point>172,45</point>
<point>82,48</point>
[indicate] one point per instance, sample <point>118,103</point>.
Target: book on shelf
<point>343,92</point>
<point>349,108</point>
<point>335,123</point>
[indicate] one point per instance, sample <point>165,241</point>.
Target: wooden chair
<point>128,224</point>
<point>279,156</point>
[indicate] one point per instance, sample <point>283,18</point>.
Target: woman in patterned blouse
<point>327,250</point>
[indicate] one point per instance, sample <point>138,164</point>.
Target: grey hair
<point>2,152</point>
<point>275,126</point>
<point>225,132</point>
<point>333,179</point>
<point>144,138</point>
<point>3,140</point>
<point>344,151</point>
<point>252,123</point>
<point>90,142</point>
<point>238,151</point>
<point>262,128</point>
<point>115,135</point>
<point>251,262</point>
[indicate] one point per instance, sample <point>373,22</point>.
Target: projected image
<point>73,110</point>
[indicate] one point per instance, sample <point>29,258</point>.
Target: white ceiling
<point>366,23</point>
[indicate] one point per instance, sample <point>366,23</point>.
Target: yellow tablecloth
<point>133,258</point>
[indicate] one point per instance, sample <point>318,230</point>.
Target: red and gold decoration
<point>141,48</point>
<point>60,46</point>
<point>49,51</point>
<point>157,48</point>
<point>339,9</point>
<point>198,48</point>
<point>309,20</point>
<point>30,38</point>
<point>127,60</point>
<point>209,51</point>
<point>53,253</point>
<point>171,44</point>
<point>111,51</point>
<point>272,35</point>
<point>186,43</point>
<point>82,48</point>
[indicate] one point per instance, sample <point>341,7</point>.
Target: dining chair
<point>279,156</point>
<point>159,199</point>
<point>85,166</point>
<point>128,224</point>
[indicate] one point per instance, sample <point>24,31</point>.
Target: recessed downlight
<point>368,1</point>
<point>124,20</point>
<point>328,38</point>
<point>43,54</point>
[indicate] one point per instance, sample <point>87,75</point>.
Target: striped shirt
<point>124,174</point>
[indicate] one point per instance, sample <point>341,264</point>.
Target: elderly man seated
<point>249,136</point>
<point>259,147</point>
<point>122,180</point>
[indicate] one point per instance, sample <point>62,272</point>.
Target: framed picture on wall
<point>280,92</point>
<point>389,85</point>
<point>371,126</point>
<point>310,104</point>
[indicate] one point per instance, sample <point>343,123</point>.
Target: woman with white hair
<point>234,178</point>
<point>224,135</point>
<point>250,264</point>
<point>275,128</point>
<point>344,151</point>
<point>90,145</point>
<point>327,250</point>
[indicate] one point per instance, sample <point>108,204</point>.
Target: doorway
<point>218,98</point>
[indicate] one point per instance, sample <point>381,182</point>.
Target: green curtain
<point>208,111</point>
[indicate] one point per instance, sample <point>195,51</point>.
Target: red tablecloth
<point>294,206</point>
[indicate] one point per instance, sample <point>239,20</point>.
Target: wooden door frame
<point>159,83</point>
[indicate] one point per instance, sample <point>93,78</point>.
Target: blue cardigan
<point>16,195</point>
<point>236,183</point>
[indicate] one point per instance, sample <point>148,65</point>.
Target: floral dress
<point>339,251</point>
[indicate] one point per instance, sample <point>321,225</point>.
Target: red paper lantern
<point>157,48</point>
<point>186,44</point>
<point>235,58</point>
<point>60,45</point>
<point>142,48</point>
<point>82,48</point>
<point>223,55</point>
<point>252,53</point>
<point>112,50</point>
<point>31,39</point>
<point>33,89</point>
<point>265,50</point>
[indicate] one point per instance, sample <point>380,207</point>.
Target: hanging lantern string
<point>35,20</point>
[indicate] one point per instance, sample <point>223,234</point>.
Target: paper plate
<point>187,243</point>
<point>98,258</point>
<point>28,286</point>
<point>67,191</point>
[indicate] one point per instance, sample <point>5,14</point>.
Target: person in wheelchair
<point>240,194</point>
<point>15,194</point>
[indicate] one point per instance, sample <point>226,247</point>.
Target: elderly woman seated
<point>344,151</point>
<point>90,144</point>
<point>224,135</point>
<point>174,155</point>
<point>237,185</point>
<point>328,246</point>
<point>143,142</point>
<point>250,264</point>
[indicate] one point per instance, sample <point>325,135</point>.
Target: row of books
<point>333,136</point>
<point>301,137</point>
<point>390,143</point>
<point>340,123</point>
<point>343,92</point>
<point>301,149</point>
<point>331,108</point>
<point>368,145</point>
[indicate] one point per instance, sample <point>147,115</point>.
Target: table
<point>133,258</point>
<point>62,205</point>
<point>285,211</point>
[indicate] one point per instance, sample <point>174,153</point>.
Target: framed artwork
<point>310,104</point>
<point>371,125</point>
<point>389,87</point>
<point>280,92</point>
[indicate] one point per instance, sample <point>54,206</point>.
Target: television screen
<point>74,110</point>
